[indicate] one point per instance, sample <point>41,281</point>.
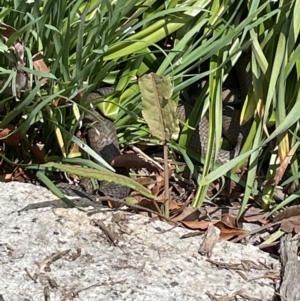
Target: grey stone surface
<point>143,265</point>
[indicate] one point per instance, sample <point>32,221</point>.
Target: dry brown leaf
<point>158,186</point>
<point>161,197</point>
<point>58,102</point>
<point>6,31</point>
<point>197,225</point>
<point>132,161</point>
<point>228,232</point>
<point>253,215</point>
<point>20,175</point>
<point>187,214</point>
<point>13,139</point>
<point>39,65</point>
<point>214,213</point>
<point>229,220</point>
<point>173,205</point>
<point>6,177</point>
<point>143,202</point>
<point>75,149</point>
<point>281,169</point>
<point>290,219</point>
<point>291,224</point>
<point>38,153</point>
<point>146,180</point>
<point>287,213</point>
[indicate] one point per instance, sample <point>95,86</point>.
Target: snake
<point>232,130</point>
<point>102,136</point>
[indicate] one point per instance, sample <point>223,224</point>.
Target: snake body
<point>232,131</point>
<point>102,136</point>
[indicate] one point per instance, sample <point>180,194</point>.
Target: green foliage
<point>91,44</point>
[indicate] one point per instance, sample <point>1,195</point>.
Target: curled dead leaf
<point>9,136</point>
<point>40,65</point>
<point>197,225</point>
<point>227,232</point>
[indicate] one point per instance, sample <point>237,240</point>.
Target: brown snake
<point>102,137</point>
<point>106,144</point>
<point>108,147</point>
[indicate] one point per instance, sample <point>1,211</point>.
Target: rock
<point>49,249</point>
